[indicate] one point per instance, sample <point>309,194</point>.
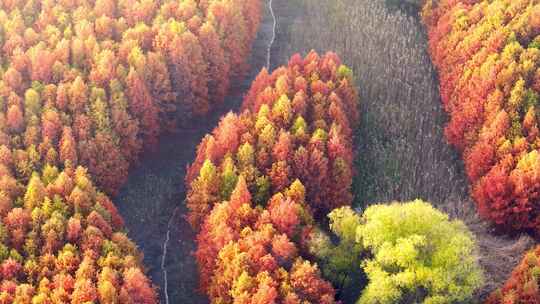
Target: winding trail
<point>164,256</point>
<point>271,43</point>
<point>152,200</point>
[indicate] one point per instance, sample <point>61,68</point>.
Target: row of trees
<point>84,87</point>
<point>296,124</point>
<point>62,241</point>
<point>263,176</point>
<point>488,57</point>
<point>93,83</point>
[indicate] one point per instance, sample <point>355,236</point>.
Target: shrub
<point>95,82</point>
<point>487,56</point>
<point>339,261</point>
<point>522,286</point>
<point>411,253</point>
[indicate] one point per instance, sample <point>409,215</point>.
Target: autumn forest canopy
<point>85,87</point>
<point>88,86</point>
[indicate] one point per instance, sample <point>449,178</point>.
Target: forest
<point>269,151</point>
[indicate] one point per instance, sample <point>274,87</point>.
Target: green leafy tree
<point>419,255</point>
<point>339,262</point>
<point>409,252</point>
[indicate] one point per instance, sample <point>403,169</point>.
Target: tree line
<point>85,87</point>
<point>488,54</point>
<point>93,83</point>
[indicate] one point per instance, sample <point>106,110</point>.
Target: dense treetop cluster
<point>85,86</point>
<point>62,241</point>
<point>410,253</point>
<point>488,57</point>
<point>522,286</point>
<point>296,124</point>
<point>263,176</point>
<point>94,82</point>
<point>248,253</point>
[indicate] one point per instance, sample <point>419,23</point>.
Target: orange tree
<point>488,57</point>
<point>263,177</point>
<point>62,241</point>
<point>95,82</point>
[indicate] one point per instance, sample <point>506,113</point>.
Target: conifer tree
<point>488,78</point>
<point>250,241</point>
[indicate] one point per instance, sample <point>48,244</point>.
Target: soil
<point>152,200</point>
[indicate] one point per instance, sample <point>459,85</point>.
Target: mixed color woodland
<point>488,55</point>
<point>87,86</point>
<point>267,174</point>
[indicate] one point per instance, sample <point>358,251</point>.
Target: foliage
<point>296,124</point>
<point>248,253</point>
<point>62,241</point>
<point>410,252</point>
<point>95,82</point>
<point>418,254</point>
<point>487,56</point>
<point>339,262</point>
<point>262,177</point>
<point>92,83</point>
<point>522,286</point>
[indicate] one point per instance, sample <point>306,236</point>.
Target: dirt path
<point>151,202</point>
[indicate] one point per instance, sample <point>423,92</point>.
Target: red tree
<point>246,253</point>
<point>488,90</point>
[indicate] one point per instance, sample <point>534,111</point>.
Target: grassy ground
<point>154,194</point>
<point>402,153</point>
